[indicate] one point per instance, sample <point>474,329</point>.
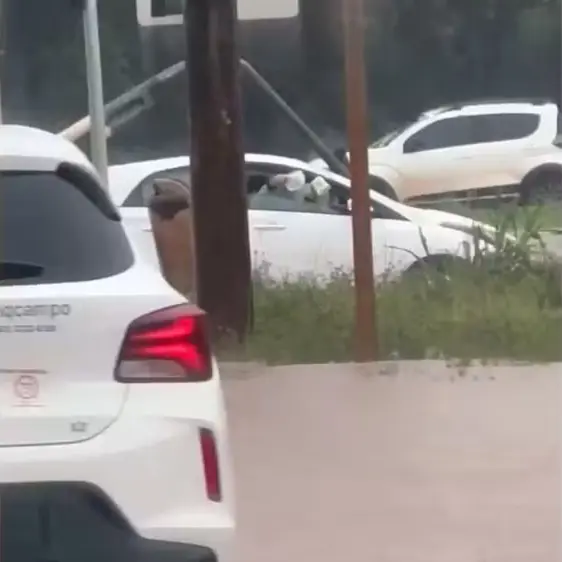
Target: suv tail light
<point>210,464</point>
<point>169,345</point>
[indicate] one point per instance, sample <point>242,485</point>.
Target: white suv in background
<point>477,148</point>
<point>113,440</point>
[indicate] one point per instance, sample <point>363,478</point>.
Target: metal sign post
<point>98,140</point>
<point>366,334</point>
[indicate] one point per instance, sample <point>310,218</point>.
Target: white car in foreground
<point>298,236</point>
<point>113,441</point>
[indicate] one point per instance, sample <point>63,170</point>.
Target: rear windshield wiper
<point>13,270</point>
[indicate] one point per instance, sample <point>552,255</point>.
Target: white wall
<point>247,10</point>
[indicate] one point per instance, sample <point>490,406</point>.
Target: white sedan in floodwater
<point>299,219</point>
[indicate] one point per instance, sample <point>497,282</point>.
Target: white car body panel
<point>136,222</point>
<point>246,10</point>
<point>137,443</point>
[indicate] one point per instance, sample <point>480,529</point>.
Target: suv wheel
<point>542,188</point>
<point>380,186</point>
<point>435,267</point>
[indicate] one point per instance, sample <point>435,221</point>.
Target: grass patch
<point>504,306</point>
<point>307,322</point>
<point>549,216</point>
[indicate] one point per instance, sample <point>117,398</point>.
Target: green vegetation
<point>504,306</point>
<point>548,216</point>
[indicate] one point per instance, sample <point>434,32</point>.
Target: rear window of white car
<point>58,228</point>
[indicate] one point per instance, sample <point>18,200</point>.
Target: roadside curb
<point>429,368</point>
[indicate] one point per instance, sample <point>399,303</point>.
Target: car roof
<point>124,178</point>
<point>29,149</point>
<point>485,107</point>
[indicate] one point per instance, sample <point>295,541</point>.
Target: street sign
<point>170,12</point>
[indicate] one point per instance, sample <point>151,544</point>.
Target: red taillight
<point>169,345</point>
<point>210,464</point>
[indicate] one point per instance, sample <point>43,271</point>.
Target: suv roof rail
<point>492,101</point>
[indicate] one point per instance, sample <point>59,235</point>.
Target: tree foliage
<point>420,53</point>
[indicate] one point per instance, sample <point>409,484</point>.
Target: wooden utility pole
<point>357,131</point>
<point>220,221</point>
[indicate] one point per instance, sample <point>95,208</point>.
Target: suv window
<point>445,133</point>
<point>53,231</point>
<point>473,129</point>
<point>505,126</point>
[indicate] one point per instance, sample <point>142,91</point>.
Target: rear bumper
<point>66,523</point>
<point>148,464</point>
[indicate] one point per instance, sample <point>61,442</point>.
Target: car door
<point>300,239</point>
<point>504,138</point>
<point>293,237</point>
<point>438,158</point>
<point>136,218</point>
